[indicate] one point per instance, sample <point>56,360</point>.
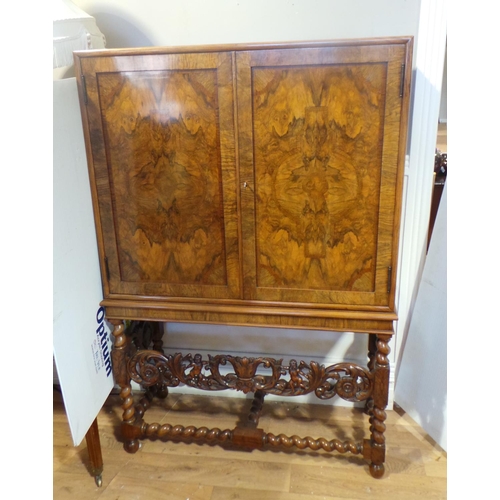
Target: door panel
<point>320,130</point>
<point>163,141</point>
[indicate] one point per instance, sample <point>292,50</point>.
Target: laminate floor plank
<point>126,488</point>
<point>215,472</point>
<point>61,455</point>
<point>310,480</point>
<point>415,467</point>
<point>442,137</point>
<point>114,461</point>
<point>69,486</point>
<point>242,494</point>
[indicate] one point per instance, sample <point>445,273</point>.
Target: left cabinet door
<point>159,132</point>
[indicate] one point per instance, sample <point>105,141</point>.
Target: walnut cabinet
<point>249,185</point>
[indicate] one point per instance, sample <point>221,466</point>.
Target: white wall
<point>128,23</point>
<point>443,109</point>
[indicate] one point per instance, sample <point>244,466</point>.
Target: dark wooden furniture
<point>249,185</point>
<point>440,173</point>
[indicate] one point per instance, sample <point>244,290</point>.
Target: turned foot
<point>377,470</point>
<point>131,446</point>
<point>161,391</point>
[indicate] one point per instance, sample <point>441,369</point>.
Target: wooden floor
<point>442,138</point>
<point>416,468</point>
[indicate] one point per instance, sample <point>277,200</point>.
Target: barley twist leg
<point>120,355</point>
<point>380,369</point>
<point>161,390</point>
<point>372,348</point>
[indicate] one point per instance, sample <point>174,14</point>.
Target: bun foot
<point>162,391</point>
<point>131,446</point>
<point>377,470</point>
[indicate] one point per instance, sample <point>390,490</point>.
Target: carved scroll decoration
<point>347,380</point>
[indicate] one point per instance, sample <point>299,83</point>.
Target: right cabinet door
<point>321,152</point>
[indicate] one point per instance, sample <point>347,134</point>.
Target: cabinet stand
<point>156,372</point>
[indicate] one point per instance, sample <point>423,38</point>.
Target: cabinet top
<point>351,42</point>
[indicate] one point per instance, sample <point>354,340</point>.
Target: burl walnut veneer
<point>249,185</point>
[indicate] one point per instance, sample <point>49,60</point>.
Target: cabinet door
<point>160,134</point>
<point>321,140</point>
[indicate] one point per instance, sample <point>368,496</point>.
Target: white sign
<point>81,338</point>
